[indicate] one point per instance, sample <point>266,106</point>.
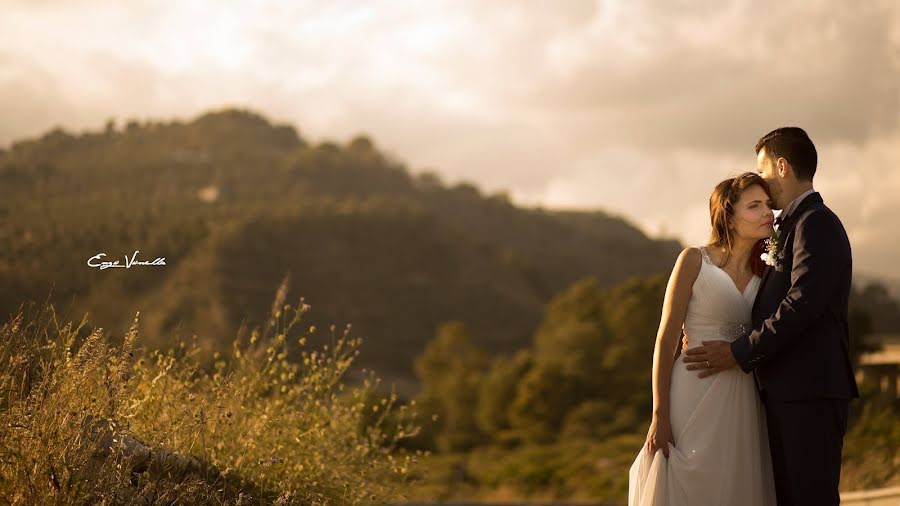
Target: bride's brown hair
<point>721,209</point>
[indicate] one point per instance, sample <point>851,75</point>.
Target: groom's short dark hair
<point>792,144</point>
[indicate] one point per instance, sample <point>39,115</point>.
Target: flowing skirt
<point>721,452</point>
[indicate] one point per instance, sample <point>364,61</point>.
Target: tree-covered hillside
<point>235,203</point>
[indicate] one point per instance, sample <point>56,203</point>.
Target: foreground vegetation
<point>89,419</point>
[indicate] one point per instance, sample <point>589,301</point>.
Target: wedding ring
<point>707,365</point>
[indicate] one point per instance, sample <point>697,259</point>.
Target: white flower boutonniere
<point>773,248</point>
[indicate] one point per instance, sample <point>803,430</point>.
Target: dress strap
<point>705,255</point>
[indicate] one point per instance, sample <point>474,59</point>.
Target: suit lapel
<point>810,199</point>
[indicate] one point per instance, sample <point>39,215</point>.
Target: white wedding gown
<point>721,452</point>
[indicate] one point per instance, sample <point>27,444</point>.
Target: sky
<point>637,108</point>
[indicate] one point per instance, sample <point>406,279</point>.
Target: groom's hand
<point>711,358</point>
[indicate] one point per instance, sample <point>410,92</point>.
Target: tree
<point>573,333</point>
<point>884,309</point>
<point>590,419</point>
<point>633,311</point>
<point>450,370</point>
<point>543,399</point>
<point>860,324</point>
<point>498,391</point>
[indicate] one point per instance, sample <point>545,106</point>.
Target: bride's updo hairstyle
<point>721,209</point>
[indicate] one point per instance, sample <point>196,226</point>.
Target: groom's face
<point>765,167</point>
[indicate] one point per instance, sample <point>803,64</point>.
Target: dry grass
<point>84,420</point>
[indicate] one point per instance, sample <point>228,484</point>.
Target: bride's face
<point>753,216</point>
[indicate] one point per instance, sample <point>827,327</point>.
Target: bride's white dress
<point>721,452</point>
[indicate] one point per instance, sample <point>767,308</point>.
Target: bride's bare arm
<point>674,310</point>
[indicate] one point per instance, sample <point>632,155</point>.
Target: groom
<point>799,348</point>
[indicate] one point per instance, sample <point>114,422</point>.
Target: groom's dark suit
<point>800,352</point>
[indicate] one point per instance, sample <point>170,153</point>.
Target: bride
<point>707,443</point>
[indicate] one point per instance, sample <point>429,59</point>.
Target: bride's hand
<point>659,435</point>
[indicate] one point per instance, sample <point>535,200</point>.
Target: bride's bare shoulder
<point>690,256</point>
<point>687,267</point>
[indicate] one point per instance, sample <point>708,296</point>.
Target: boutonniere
<point>773,248</point>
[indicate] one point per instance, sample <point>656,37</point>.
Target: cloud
<point>712,75</point>
<point>861,182</point>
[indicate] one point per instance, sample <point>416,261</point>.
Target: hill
<point>235,203</point>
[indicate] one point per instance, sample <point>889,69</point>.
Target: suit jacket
<point>800,345</point>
